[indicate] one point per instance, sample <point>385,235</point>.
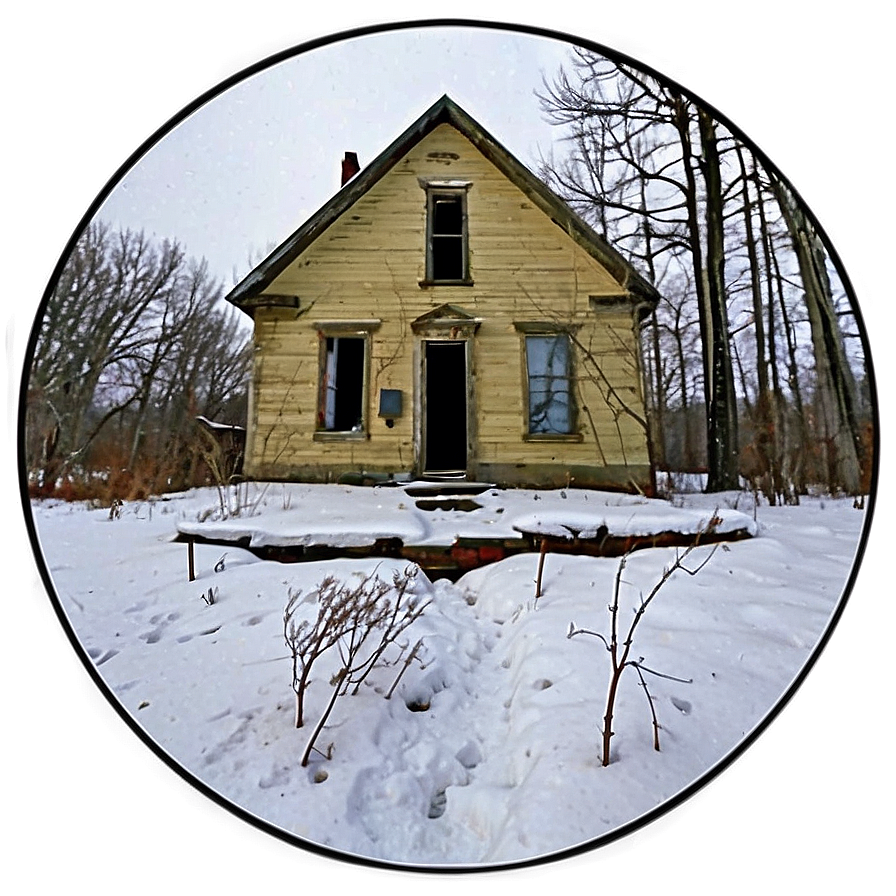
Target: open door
<point>445,407</point>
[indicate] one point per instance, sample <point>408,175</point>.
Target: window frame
<point>541,329</point>
<point>343,330</point>
<point>436,190</point>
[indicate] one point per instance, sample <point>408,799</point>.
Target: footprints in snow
<point>469,756</point>
<point>438,805</point>
<point>278,777</point>
<point>209,631</point>
<point>161,621</point>
<point>171,617</point>
<point>237,737</point>
<point>101,656</point>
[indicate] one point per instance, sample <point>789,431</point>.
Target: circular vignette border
<point>881,454</point>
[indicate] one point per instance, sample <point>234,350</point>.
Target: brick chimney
<point>350,167</point>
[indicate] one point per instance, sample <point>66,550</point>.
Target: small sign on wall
<point>390,403</point>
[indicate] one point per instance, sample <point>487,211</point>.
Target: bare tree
<point>835,380</point>
<point>721,403</point>
<point>728,246</point>
<point>134,334</point>
<point>657,190</point>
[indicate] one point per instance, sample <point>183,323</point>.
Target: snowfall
<point>487,752</point>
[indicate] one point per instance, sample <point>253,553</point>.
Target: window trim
<point>545,329</point>
<point>434,190</point>
<point>358,329</point>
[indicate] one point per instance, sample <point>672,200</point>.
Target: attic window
<point>447,249</point>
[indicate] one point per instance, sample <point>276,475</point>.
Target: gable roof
<point>444,111</point>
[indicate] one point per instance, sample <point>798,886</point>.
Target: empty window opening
<point>550,379</point>
<point>447,237</point>
<point>342,384</point>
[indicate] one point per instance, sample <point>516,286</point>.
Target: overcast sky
<point>247,168</point>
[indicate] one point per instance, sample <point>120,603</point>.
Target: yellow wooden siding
<point>368,265</point>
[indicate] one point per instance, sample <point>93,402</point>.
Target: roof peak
<point>445,110</point>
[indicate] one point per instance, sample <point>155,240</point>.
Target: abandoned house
<point>446,315</point>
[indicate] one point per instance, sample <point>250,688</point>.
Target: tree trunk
<point>835,382</point>
<point>656,431</point>
<point>765,431</point>
<point>721,403</point>
<point>786,481</point>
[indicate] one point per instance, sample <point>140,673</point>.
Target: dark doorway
<point>445,426</point>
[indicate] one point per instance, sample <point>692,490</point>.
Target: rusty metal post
<point>541,553</point>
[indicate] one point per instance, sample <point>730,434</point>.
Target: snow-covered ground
<point>279,515</point>
<point>503,765</point>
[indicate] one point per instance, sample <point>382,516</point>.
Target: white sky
<point>247,168</point>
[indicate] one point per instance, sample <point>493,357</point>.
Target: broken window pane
<point>548,368</point>
<point>342,385</point>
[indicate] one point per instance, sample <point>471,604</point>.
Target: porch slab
<point>319,522</point>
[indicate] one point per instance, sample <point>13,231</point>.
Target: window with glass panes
<point>549,374</point>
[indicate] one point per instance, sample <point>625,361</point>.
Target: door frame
<point>420,403</point>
